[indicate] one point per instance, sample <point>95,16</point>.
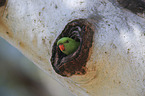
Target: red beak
<point>61,47</point>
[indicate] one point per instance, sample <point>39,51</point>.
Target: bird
<point>67,45</point>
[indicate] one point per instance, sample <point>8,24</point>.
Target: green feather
<point>70,45</point>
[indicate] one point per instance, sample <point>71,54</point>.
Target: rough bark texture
<point>117,64</point>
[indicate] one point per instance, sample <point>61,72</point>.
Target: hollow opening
<point>73,64</point>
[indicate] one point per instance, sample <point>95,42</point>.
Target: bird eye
<point>67,41</point>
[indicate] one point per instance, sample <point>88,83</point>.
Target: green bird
<point>67,45</point>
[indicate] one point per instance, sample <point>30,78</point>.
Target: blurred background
<point>20,77</point>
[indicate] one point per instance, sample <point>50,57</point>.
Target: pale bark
<point>117,63</point>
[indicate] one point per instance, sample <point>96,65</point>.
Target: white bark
<point>117,63</point>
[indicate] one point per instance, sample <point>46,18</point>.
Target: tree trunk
<point>116,66</point>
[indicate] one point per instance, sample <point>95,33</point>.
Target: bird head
<point>67,45</point>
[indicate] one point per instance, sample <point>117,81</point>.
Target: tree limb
<point>117,62</point>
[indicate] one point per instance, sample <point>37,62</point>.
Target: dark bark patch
<point>136,6</point>
<point>2,2</point>
<point>74,64</point>
<point>9,34</point>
